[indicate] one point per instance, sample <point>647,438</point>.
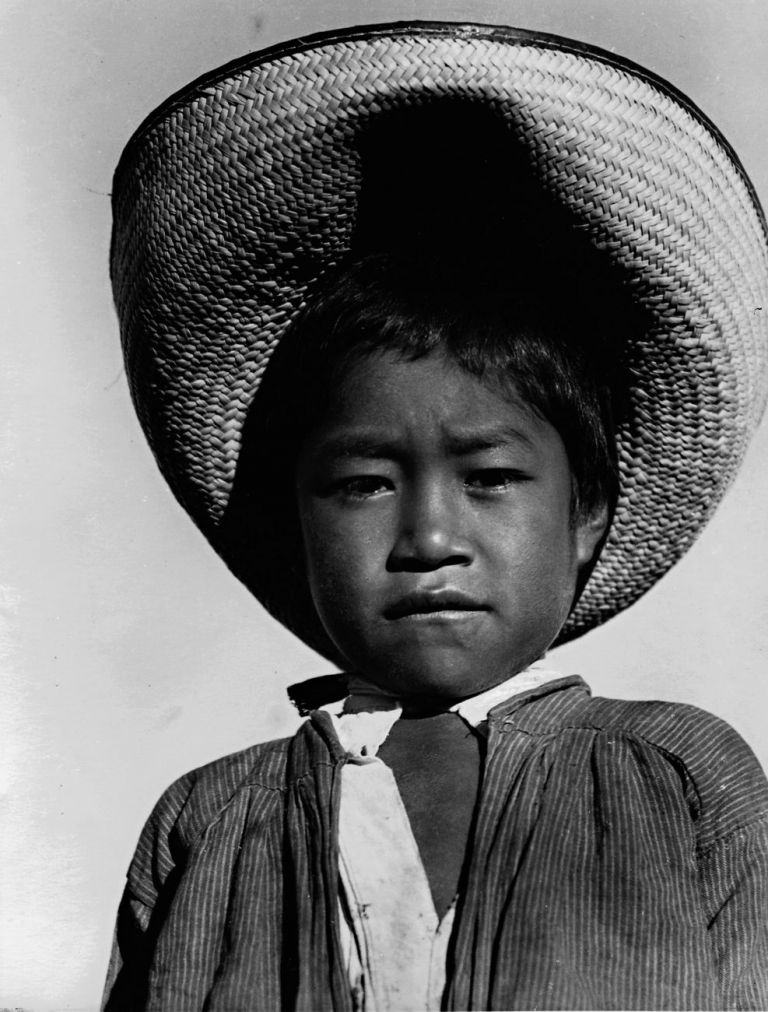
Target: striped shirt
<point>619,860</point>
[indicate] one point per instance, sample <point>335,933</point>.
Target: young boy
<point>428,473</point>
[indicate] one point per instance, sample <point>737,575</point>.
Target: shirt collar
<point>475,709</point>
<point>368,713</point>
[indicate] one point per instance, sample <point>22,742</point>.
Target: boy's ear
<point>590,531</point>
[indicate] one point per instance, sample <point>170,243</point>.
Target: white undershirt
<point>394,944</point>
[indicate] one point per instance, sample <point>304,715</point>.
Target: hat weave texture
<point>238,191</point>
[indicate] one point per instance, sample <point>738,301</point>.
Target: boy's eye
<point>362,486</point>
<point>493,478</point>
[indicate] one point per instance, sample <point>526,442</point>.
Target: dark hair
<point>519,330</point>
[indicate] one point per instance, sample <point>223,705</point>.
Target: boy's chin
<point>430,687</point>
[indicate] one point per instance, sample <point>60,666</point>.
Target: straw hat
<point>237,192</point>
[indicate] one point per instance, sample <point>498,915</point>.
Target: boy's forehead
<point>385,397</point>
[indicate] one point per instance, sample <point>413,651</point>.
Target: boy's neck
<point>365,696</point>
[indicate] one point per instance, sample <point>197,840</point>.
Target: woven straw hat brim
<point>240,189</point>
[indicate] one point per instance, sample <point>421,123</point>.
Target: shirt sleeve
<point>734,874</point>
<point>150,882</point>
<point>727,794</point>
<point>125,986</point>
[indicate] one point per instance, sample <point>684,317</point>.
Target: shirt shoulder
<point>194,801</point>
<point>718,767</point>
<point>199,794</point>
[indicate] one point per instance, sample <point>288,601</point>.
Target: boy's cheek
<point>334,534</point>
<point>341,570</point>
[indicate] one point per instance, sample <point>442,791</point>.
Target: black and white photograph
<point>384,585</point>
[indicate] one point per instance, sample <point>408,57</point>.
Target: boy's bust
<point>465,830</point>
<point>443,545</point>
<point>428,474</point>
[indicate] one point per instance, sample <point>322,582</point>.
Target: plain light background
<point>128,653</point>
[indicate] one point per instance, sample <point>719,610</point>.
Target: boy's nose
<point>430,535</point>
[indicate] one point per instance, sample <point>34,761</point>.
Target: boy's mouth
<point>445,602</point>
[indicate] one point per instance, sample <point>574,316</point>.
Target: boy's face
<point>441,552</point>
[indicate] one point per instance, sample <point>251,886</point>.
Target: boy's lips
<point>444,602</point>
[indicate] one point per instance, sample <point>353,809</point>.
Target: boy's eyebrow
<point>470,441</point>
<point>360,444</point>
<point>458,442</point>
